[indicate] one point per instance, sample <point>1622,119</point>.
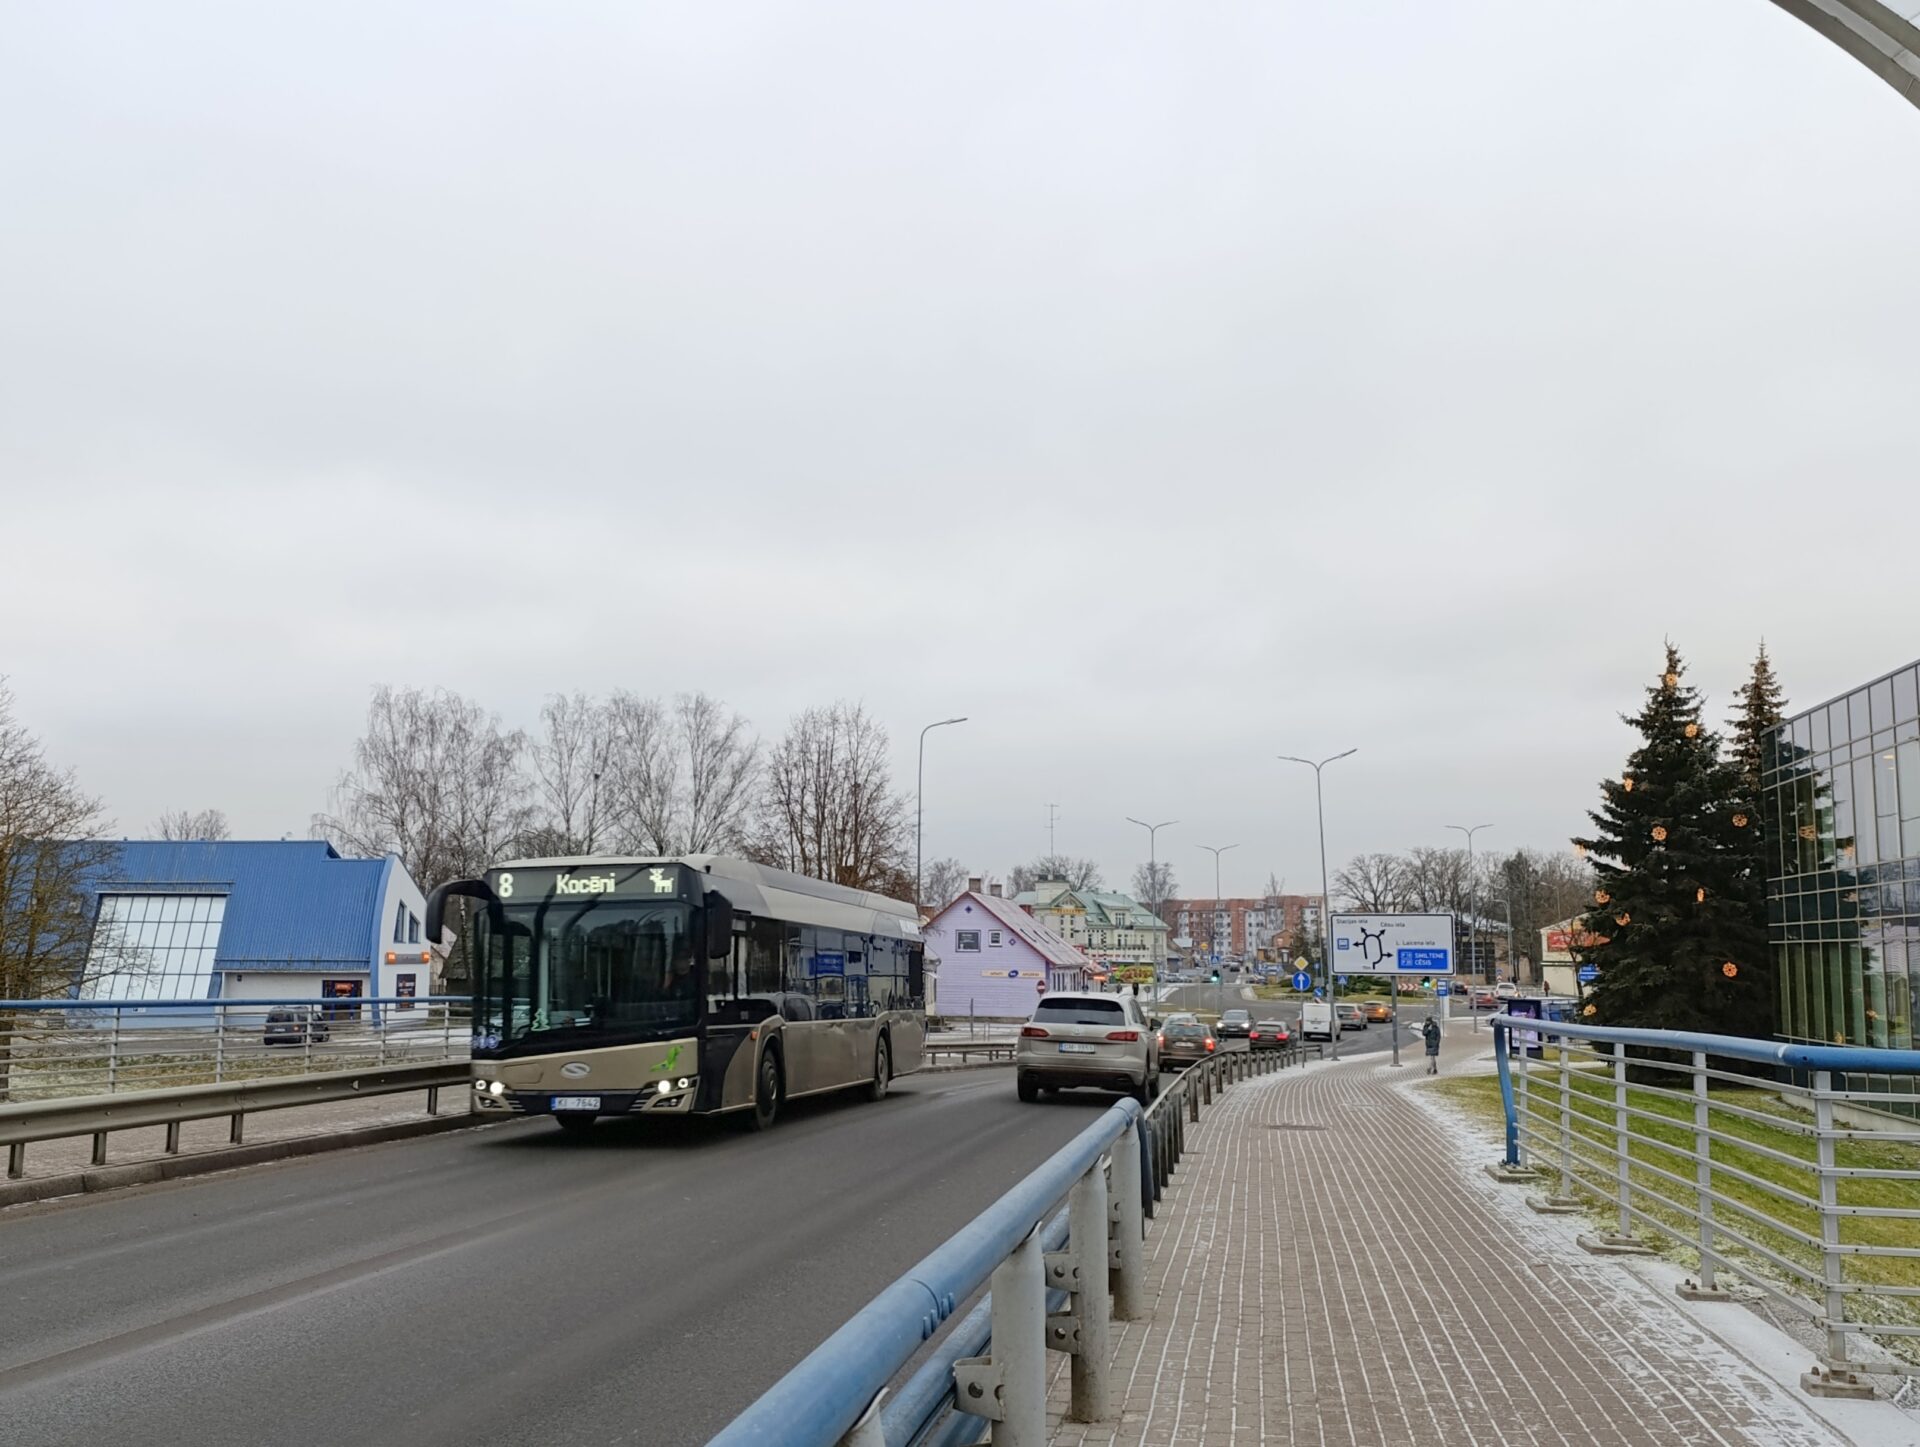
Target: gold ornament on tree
<point>1600,896</point>
<point>1729,969</point>
<point>1673,680</point>
<point>1591,1010</point>
<point>1659,834</point>
<point>1693,731</point>
<point>1699,896</point>
<point>1627,783</point>
<point>1739,821</point>
<point>1623,919</point>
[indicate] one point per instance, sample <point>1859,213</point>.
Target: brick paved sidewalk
<point>1327,1269</point>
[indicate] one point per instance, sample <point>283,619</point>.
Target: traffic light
<point>1216,977</point>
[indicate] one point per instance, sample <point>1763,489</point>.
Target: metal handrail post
<point>1566,1120</point>
<point>219,1043</point>
<point>1087,1259</point>
<point>1831,1267</point>
<point>1129,1228</point>
<point>113,1052</point>
<point>1620,1139</point>
<point>1515,1038</point>
<point>1703,1168</point>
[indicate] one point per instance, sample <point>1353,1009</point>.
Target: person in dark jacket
<point>1431,1033</point>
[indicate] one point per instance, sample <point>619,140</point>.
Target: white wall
<point>401,890</point>
<point>983,978</point>
<point>280,984</point>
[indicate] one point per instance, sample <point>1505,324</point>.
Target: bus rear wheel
<point>767,1090</point>
<point>574,1122</point>
<point>882,1070</point>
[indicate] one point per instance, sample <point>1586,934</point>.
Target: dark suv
<point>1235,1022</point>
<point>293,1025</point>
<point>1184,1042</point>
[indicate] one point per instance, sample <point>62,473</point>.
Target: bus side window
<point>765,946</point>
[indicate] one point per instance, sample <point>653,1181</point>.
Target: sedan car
<point>1352,1017</point>
<point>1184,1042</point>
<point>1484,999</point>
<point>1101,1041</point>
<point>1269,1035</point>
<point>1235,1022</point>
<point>1378,1012</point>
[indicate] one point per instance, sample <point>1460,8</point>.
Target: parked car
<point>1352,1017</point>
<point>1378,1012</point>
<point>1074,1040</point>
<point>294,1025</point>
<point>1507,990</point>
<point>1184,1041</point>
<point>1269,1035</point>
<point>1235,1022</point>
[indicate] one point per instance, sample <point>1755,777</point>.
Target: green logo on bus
<point>673,1059</point>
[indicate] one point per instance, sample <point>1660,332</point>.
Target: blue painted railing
<point>821,1399</point>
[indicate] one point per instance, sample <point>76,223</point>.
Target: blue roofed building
<point>284,919</point>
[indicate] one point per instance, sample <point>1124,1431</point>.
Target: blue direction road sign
<point>1589,973</point>
<point>1443,989</point>
<point>1419,959</point>
<point>1343,979</point>
<point>1303,981</point>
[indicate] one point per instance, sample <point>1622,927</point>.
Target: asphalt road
<point>501,1285</point>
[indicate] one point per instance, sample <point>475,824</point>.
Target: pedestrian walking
<point>1431,1033</point>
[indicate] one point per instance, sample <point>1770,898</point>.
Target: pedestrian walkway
<point>1333,1267</point>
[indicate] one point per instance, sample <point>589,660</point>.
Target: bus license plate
<point>1068,1047</point>
<point>575,1102</point>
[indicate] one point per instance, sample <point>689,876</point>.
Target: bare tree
<point>944,879</point>
<point>683,778</point>
<point>828,808</point>
<point>1538,889</point>
<point>1153,886</point>
<point>203,825</point>
<point>1078,873</point>
<point>569,757</point>
<point>1437,881</point>
<point>1372,883</point>
<point>435,780</point>
<point>51,855</point>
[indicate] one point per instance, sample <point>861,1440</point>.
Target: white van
<point>1316,1020</point>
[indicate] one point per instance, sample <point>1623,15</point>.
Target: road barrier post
<point>1009,1388</point>
<point>1125,1208</point>
<point>1081,1269</point>
<point>1520,1092</point>
<point>1566,1121</point>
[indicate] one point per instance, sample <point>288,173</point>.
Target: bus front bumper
<point>667,1098</point>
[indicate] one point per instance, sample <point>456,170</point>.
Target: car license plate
<point>1068,1047</point>
<point>575,1102</point>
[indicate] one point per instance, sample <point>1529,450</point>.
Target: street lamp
<point>1213,940</point>
<point>919,784</point>
<point>1326,913</point>
<point>1153,858</point>
<point>1473,901</point>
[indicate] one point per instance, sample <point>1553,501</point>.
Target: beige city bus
<point>692,986</point>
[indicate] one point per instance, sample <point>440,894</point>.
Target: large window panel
<point>153,947</point>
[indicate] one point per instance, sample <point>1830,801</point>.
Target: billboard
<point>1392,944</point>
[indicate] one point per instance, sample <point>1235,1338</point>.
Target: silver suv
<point>1102,1041</point>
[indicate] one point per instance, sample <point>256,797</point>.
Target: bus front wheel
<point>767,1089</point>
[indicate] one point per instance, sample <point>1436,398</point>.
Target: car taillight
<point>1210,1042</point>
<point>1034,1032</point>
<point>1160,1040</point>
<point>1125,1036</point>
<point>1253,1035</point>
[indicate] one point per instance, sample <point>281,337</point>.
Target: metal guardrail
<point>99,1115</point>
<point>967,1049</point>
<point>1050,1274</point>
<point>56,1049</point>
<point>1792,1168</point>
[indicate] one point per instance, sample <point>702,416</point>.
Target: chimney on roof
<point>973,884</point>
<point>994,889</point>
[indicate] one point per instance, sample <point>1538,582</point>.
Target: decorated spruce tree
<point>1685,936</point>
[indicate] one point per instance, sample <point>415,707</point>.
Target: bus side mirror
<point>719,926</point>
<point>453,888</point>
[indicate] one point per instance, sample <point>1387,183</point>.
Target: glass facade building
<point>1840,790</point>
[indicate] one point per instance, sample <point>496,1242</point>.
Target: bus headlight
<point>683,1083</point>
<point>481,1086</point>
<point>665,1086</point>
<point>499,1087</point>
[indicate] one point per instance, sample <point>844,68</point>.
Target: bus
<point>693,986</point>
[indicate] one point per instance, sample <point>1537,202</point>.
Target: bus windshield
<point>596,970</point>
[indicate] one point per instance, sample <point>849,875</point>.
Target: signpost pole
<point>1393,984</point>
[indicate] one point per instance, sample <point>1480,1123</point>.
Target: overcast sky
<point>1163,386</point>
